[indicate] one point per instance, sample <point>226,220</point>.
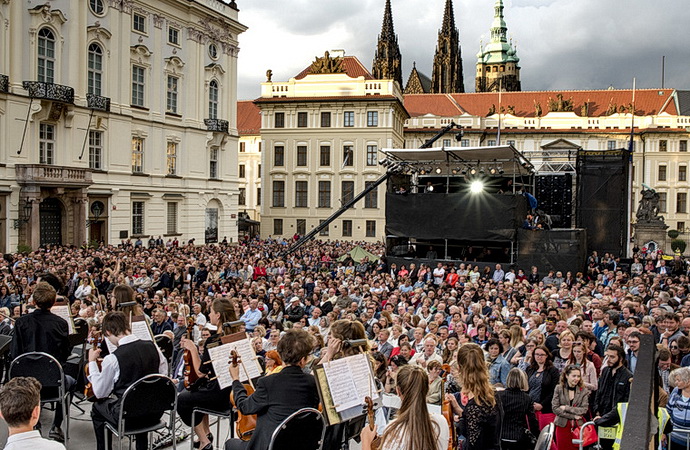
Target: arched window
<point>213,100</point>
<point>46,55</point>
<point>95,69</point>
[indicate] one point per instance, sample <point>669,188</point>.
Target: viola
<point>246,423</point>
<point>190,375</point>
<point>97,339</point>
<point>447,410</point>
<point>376,443</point>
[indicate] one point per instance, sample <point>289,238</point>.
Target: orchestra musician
<point>206,392</point>
<point>43,331</point>
<point>277,395</point>
<point>414,428</point>
<point>133,359</point>
<point>342,333</point>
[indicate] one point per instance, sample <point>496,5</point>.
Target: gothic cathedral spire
<point>497,62</point>
<point>388,60</point>
<point>447,71</point>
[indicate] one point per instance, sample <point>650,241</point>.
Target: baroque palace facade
<point>117,120</point>
<point>320,131</point>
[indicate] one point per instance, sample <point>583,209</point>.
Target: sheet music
<point>64,312</point>
<point>140,328</point>
<point>349,381</point>
<point>111,347</point>
<point>220,357</point>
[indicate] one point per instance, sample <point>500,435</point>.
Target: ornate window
<point>97,7</point>
<point>46,55</point>
<point>138,84</point>
<point>213,163</point>
<point>95,149</point>
<point>213,100</point>
<point>95,69</point>
<point>171,105</point>
<point>137,155</point>
<point>46,143</point>
<point>171,158</point>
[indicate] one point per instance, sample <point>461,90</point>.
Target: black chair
<point>48,371</point>
<point>545,438</point>
<point>228,415</point>
<point>145,401</point>
<point>165,344</point>
<point>305,426</point>
<point>81,332</point>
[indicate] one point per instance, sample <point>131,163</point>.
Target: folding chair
<point>545,438</point>
<point>305,426</point>
<point>48,371</point>
<point>165,344</point>
<point>148,398</point>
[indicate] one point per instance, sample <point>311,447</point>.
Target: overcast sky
<point>562,44</point>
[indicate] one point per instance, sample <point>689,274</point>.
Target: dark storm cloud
<point>562,44</point>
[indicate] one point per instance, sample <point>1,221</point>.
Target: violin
<point>246,423</point>
<point>376,443</point>
<point>447,410</point>
<point>190,375</point>
<point>97,339</point>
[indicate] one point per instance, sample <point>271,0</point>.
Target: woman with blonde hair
<point>477,407</point>
<point>561,358</point>
<point>414,428</point>
<point>518,412</point>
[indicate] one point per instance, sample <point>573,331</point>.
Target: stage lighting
<point>476,187</point>
<point>438,170</point>
<point>481,170</point>
<point>456,170</point>
<point>492,171</point>
<point>422,172</point>
<point>473,171</point>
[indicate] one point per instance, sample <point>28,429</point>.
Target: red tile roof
<point>353,68</point>
<point>647,102</point>
<point>248,118</point>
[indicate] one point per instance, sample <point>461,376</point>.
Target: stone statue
<point>327,64</point>
<point>269,75</point>
<point>612,108</point>
<point>511,109</point>
<point>492,110</point>
<point>560,105</point>
<point>648,209</point>
<point>584,109</point>
<point>537,109</point>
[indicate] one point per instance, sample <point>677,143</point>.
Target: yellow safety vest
<point>662,417</point>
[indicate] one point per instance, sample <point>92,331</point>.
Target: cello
<point>97,339</point>
<point>190,375</point>
<point>246,423</point>
<point>447,410</point>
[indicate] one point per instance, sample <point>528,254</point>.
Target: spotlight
<point>476,187</point>
<point>501,171</point>
<point>455,171</point>
<point>492,171</point>
<point>473,171</point>
<point>438,170</point>
<point>382,161</point>
<point>464,171</point>
<point>481,170</point>
<point>422,172</point>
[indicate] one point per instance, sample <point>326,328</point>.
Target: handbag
<point>527,439</point>
<point>589,435</point>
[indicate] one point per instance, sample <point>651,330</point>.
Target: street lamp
<point>96,211</point>
<point>25,215</point>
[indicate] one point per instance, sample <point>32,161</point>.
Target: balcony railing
<point>49,91</point>
<point>4,83</point>
<point>98,103</point>
<point>49,175</point>
<point>216,125</point>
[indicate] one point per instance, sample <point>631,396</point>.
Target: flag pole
<point>500,91</point>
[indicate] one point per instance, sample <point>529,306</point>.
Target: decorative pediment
<point>140,52</point>
<point>173,64</point>
<point>98,32</point>
<point>214,70</point>
<point>49,15</point>
<point>561,144</point>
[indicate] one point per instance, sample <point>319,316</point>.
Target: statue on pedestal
<point>648,208</point>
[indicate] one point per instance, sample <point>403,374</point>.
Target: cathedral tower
<point>497,62</point>
<point>388,60</point>
<point>447,71</point>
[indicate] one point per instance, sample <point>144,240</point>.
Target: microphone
<point>355,343</point>
<point>233,324</point>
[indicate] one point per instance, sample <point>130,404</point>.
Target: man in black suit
<point>43,331</point>
<point>278,395</point>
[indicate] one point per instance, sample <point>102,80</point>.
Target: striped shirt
<point>678,408</point>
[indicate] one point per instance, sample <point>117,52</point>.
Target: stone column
<point>79,216</point>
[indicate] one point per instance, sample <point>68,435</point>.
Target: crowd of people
<point>506,350</point>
